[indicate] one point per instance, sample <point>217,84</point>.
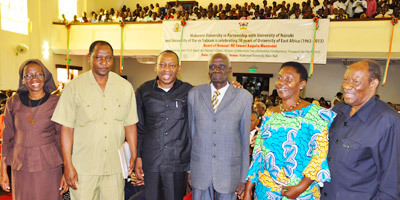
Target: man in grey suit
<point>219,122</point>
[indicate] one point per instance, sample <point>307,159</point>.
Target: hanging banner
<point>248,41</point>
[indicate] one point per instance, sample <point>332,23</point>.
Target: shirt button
<point>213,156</point>
<point>167,105</point>
<point>325,194</point>
<point>214,132</point>
<point>166,118</point>
<point>105,150</point>
<point>104,95</point>
<point>166,133</point>
<point>215,119</point>
<point>105,123</point>
<point>105,108</point>
<point>329,158</point>
<point>336,141</point>
<point>165,146</point>
<point>105,137</point>
<point>215,144</point>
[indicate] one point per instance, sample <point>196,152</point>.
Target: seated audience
<point>247,11</point>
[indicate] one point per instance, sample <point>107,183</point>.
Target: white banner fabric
<point>248,41</point>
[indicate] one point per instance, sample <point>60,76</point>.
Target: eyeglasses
<point>30,76</point>
<point>221,67</point>
<point>165,66</point>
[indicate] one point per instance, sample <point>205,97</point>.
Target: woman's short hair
<point>299,69</point>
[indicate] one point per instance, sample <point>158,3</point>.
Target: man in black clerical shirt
<point>363,140</point>
<point>163,141</point>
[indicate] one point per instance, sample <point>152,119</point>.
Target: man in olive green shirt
<point>97,111</point>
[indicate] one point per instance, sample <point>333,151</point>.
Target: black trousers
<point>165,185</point>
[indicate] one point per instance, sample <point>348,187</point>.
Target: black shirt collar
<point>177,83</point>
<point>363,112</point>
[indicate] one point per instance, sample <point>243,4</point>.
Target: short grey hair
<point>374,68</point>
<point>220,55</point>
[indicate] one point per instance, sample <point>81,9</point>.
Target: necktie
<point>214,101</point>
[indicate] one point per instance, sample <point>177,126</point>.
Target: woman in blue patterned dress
<point>289,157</point>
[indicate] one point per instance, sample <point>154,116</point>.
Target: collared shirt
<point>222,91</point>
<point>98,119</point>
<point>359,6</point>
<point>163,138</point>
<point>364,153</point>
<point>340,5</point>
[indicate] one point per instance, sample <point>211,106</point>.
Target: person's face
<point>357,88</point>
<point>288,83</point>
<point>219,70</point>
<point>167,69</point>
<point>254,121</point>
<point>33,78</point>
<point>101,60</point>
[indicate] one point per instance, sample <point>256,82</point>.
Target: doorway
<point>256,84</point>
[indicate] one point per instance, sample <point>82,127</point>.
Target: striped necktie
<point>214,100</point>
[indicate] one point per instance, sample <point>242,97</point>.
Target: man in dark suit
<point>163,139</point>
<point>219,120</point>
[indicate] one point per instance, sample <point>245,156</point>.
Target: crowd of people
<point>334,9</point>
<point>180,134</point>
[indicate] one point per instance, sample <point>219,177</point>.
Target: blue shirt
<point>364,153</point>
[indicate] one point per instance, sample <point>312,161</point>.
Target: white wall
<point>40,32</point>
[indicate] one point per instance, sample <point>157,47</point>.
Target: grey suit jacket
<point>220,141</point>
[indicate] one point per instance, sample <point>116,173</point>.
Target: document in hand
<point>124,156</point>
